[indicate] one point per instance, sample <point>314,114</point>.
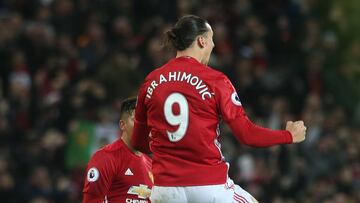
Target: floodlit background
<point>65,65</point>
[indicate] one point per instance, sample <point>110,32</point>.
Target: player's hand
<point>297,130</point>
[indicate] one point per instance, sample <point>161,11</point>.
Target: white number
<point>182,119</point>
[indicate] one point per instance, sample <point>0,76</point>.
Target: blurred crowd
<point>66,65</point>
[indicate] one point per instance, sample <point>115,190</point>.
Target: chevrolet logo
<point>142,191</point>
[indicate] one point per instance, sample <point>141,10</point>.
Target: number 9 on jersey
<point>181,120</point>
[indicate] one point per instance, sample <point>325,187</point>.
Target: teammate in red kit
<point>182,104</point>
<point>117,172</point>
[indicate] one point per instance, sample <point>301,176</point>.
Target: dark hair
<point>127,106</point>
<point>183,34</point>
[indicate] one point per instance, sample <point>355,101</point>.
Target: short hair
<point>185,31</point>
<point>127,106</point>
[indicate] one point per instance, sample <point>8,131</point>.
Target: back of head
<point>185,31</point>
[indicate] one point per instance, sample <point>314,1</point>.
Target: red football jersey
<point>182,103</point>
<point>116,174</point>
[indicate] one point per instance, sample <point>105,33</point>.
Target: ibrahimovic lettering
<point>193,80</point>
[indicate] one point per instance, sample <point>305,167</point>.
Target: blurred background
<point>65,66</point>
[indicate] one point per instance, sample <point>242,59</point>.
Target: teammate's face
<point>208,45</point>
<point>130,123</point>
<point>127,123</point>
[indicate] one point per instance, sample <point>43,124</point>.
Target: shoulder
<point>153,73</point>
<point>100,165</point>
<point>215,73</point>
<point>101,157</point>
<point>108,152</point>
<point>104,161</point>
<point>216,77</point>
<point>113,147</point>
<point>149,78</point>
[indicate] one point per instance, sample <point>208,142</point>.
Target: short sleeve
<point>227,99</point>
<point>99,175</point>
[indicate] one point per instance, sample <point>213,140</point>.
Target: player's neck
<point>126,140</point>
<point>192,53</point>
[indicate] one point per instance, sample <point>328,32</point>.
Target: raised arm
<point>244,130</point>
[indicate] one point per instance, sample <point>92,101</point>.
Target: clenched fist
<point>297,130</point>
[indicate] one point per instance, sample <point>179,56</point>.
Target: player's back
<point>183,115</point>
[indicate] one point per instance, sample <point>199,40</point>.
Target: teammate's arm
<point>100,173</point>
<point>140,136</point>
<point>247,132</point>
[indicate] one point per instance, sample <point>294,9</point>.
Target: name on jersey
<point>193,80</point>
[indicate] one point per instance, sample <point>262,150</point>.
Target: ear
<point>122,125</point>
<point>201,41</point>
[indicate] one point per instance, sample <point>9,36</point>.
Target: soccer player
<point>182,104</point>
<point>118,172</point>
